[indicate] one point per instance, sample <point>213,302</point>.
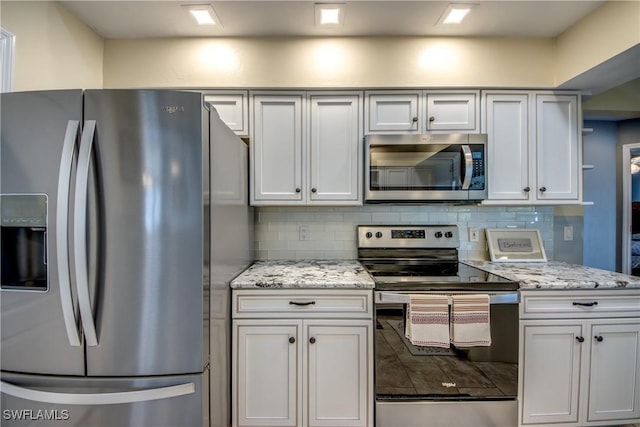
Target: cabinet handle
<point>302,303</point>
<point>314,190</point>
<point>585,304</point>
<point>543,189</point>
<point>526,189</point>
<point>298,190</point>
<point>292,340</point>
<point>598,338</point>
<point>580,339</point>
<point>312,340</point>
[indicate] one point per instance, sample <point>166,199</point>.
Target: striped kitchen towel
<point>427,321</point>
<point>470,325</point>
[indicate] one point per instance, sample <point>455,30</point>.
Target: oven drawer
<point>353,303</point>
<point>586,304</point>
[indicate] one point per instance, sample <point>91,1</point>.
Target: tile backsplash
<point>330,232</point>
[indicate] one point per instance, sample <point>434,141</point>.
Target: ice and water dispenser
<point>23,239</point>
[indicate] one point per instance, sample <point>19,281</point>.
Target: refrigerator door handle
<point>80,233</point>
<point>62,231</point>
<point>98,398</point>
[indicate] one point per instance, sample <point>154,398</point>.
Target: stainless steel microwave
<point>425,167</point>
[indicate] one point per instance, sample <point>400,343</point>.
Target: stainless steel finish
<point>62,230</point>
<point>32,324</point>
<point>403,297</point>
<point>164,410</point>
<point>420,195</point>
<point>417,414</point>
<point>149,148</point>
<point>97,398</point>
<point>80,233</point>
<point>468,168</point>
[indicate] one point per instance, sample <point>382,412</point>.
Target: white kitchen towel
<point>427,322</point>
<point>470,324</point>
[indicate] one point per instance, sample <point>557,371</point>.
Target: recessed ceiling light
<point>455,13</point>
<point>203,14</point>
<point>329,15</point>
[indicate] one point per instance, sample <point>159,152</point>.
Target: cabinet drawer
<point>590,304</point>
<point>302,303</point>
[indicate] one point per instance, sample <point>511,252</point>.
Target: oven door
<point>424,167</point>
<point>457,386</point>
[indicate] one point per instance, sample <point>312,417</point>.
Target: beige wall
<point>53,50</point>
<point>329,63</point>
<point>606,32</point>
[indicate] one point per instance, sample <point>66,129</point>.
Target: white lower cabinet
<point>583,367</point>
<point>311,368</point>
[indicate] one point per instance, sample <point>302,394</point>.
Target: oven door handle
<point>468,169</point>
<point>391,297</point>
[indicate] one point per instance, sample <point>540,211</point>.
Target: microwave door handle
<point>468,167</point>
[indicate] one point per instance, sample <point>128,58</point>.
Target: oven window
<point>416,167</point>
<point>408,372</point>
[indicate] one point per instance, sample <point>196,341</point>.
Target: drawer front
<point>302,303</point>
<point>593,304</point>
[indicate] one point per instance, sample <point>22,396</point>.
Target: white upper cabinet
<point>335,150</point>
<point>277,137</point>
<point>437,111</point>
<point>233,108</point>
<point>452,111</point>
<point>306,148</point>
<point>393,111</point>
<point>534,147</point>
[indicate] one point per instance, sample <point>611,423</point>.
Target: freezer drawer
<point>134,402</point>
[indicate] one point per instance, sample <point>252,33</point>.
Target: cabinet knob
<point>292,340</point>
<point>598,338</point>
<point>526,189</point>
<point>580,339</point>
<point>314,190</point>
<point>543,189</point>
<point>312,340</point>
<point>432,119</point>
<point>414,120</point>
<point>298,190</point>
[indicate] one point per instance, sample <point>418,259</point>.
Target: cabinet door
<point>393,112</point>
<point>506,125</point>
<point>278,151</point>
<point>339,379</point>
<point>550,372</point>
<point>233,109</point>
<point>267,373</point>
<point>557,148</point>
<point>614,376</point>
<point>452,111</point>
<point>335,149</point>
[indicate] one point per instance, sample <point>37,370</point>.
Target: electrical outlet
<point>568,232</point>
<point>474,234</point>
<point>303,232</point>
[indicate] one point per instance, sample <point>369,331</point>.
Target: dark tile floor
<point>399,372</point>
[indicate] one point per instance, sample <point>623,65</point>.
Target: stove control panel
<point>408,236</point>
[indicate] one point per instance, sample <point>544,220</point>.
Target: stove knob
<point>378,234</point>
<point>438,234</point>
<point>369,235</point>
<point>448,234</point>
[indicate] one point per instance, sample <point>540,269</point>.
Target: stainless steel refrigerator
<point>124,215</point>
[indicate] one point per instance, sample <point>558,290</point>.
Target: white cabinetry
<point>534,147</point>
<point>434,111</point>
<point>306,148</point>
<point>580,358</point>
<point>303,358</point>
<point>233,108</point>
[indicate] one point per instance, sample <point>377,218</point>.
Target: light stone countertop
<point>557,275</point>
<point>314,274</point>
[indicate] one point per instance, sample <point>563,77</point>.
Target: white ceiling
<point>149,18</point>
